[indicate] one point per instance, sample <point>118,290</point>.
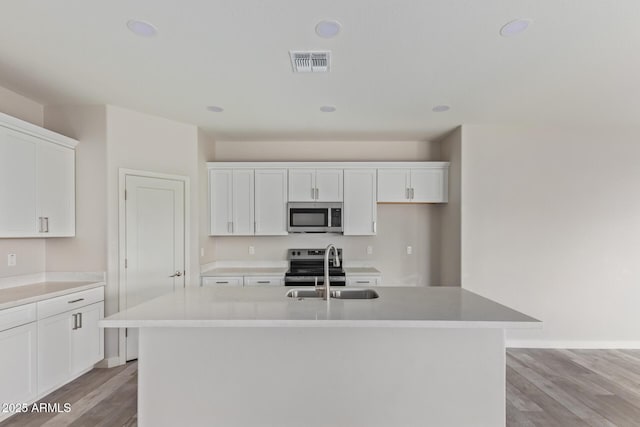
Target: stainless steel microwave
<point>314,217</point>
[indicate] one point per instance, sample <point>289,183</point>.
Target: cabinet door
<point>18,364</point>
<point>264,281</point>
<point>363,280</point>
<point>54,351</point>
<point>271,202</point>
<point>393,185</point>
<point>222,281</point>
<point>243,219</point>
<point>329,185</point>
<point>87,339</point>
<point>429,185</point>
<point>302,185</point>
<point>360,204</point>
<point>220,201</point>
<point>56,192</point>
<point>18,215</point>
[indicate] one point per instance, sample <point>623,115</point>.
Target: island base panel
<point>321,377</point>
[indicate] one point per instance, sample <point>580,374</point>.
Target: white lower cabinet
<point>264,281</point>
<point>240,281</point>
<point>69,343</point>
<point>222,281</point>
<point>18,364</point>
<point>45,345</point>
<point>364,280</point>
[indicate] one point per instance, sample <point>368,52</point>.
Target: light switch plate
<point>11,260</point>
<point>369,250</point>
<point>409,250</point>
<point>252,250</point>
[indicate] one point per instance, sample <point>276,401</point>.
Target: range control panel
<point>309,253</point>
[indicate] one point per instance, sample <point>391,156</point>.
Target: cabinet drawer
<point>16,316</point>
<point>264,281</point>
<point>363,281</point>
<point>222,281</point>
<point>68,302</point>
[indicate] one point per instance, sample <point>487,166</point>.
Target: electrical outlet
<point>252,250</point>
<point>409,250</point>
<point>11,260</point>
<point>369,250</point>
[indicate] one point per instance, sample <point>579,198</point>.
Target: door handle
<point>176,274</point>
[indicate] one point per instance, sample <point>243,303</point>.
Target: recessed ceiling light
<point>515,27</point>
<point>441,108</point>
<point>328,29</point>
<point>327,108</point>
<point>215,108</point>
<point>142,28</point>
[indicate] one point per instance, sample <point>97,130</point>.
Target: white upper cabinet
<point>270,202</point>
<point>315,185</point>
<point>415,185</point>
<point>360,203</point>
<point>231,198</point>
<point>56,190</point>
<point>394,185</point>
<point>329,185</point>
<point>243,220</point>
<point>19,212</point>
<point>302,185</point>
<point>37,181</point>
<point>221,201</point>
<point>429,185</point>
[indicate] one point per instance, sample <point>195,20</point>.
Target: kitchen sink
<point>354,294</point>
<point>304,293</point>
<point>335,293</point>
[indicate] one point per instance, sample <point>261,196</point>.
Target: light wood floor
<point>563,388</point>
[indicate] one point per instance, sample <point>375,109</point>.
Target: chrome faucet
<point>336,263</point>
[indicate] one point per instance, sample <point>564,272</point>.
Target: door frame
<point>122,233</point>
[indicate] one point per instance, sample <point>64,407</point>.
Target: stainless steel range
<point>306,268</point>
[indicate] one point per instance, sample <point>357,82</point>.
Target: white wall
<point>206,153</point>
<point>399,226</point>
<point>551,227</point>
<point>30,253</point>
<point>87,251</point>
<point>449,250</point>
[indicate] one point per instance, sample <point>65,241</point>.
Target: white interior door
<point>155,245</point>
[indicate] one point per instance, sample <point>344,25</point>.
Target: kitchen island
<point>255,357</point>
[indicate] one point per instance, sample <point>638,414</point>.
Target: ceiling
<point>393,61</point>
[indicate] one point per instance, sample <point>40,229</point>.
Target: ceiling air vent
<point>310,62</point>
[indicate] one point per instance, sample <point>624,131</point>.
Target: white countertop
<point>430,307</point>
<point>20,295</point>
<point>245,271</point>
<point>361,271</point>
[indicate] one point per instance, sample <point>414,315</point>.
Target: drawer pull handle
<point>75,300</point>
<point>222,282</point>
<point>362,281</point>
<point>263,281</point>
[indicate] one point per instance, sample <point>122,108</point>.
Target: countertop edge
<point>435,324</point>
<point>49,295</point>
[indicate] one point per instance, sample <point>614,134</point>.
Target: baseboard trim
<point>583,345</point>
<point>110,362</point>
